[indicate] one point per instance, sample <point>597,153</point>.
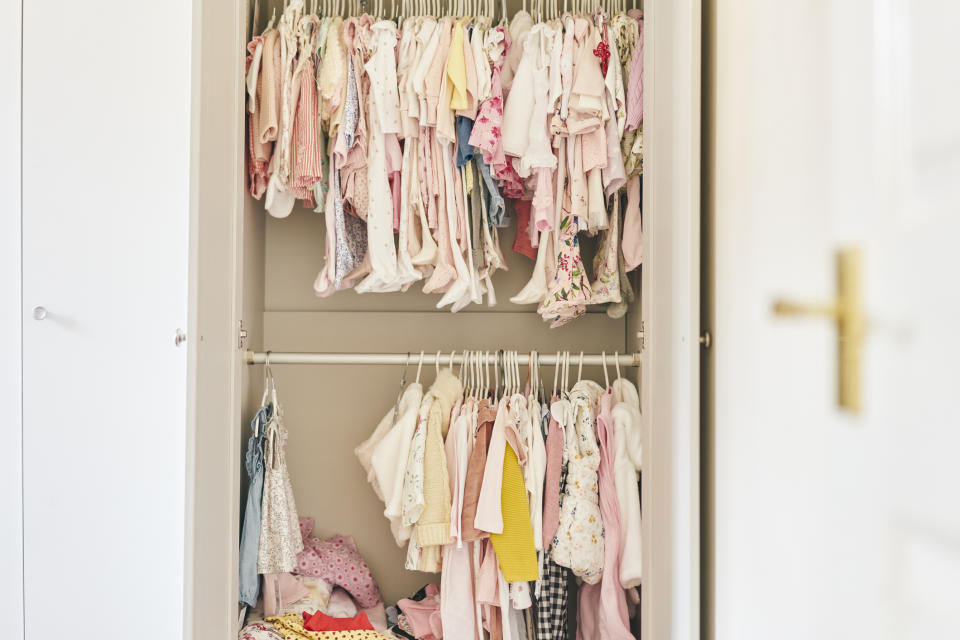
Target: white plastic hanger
<point>580,368</point>
<point>606,376</point>
<point>486,374</point>
<point>437,362</point>
<point>556,371</point>
<point>419,367</point>
<point>516,373</point>
<point>617,356</point>
<point>403,385</point>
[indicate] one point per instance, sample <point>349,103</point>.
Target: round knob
<point>39,313</point>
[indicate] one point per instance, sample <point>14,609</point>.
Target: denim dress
<point>250,534</point>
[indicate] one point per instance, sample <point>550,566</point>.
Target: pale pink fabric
<point>635,79</point>
<point>424,615</point>
<point>394,157</point>
<point>551,487</point>
<point>602,607</point>
<point>281,589</point>
<point>475,468</point>
<point>337,561</point>
<point>543,201</point>
<point>305,155</point>
<point>457,598</point>
<point>489,517</point>
<point>632,243</point>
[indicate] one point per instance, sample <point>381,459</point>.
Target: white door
<point>836,125</point>
<point>106,201</point>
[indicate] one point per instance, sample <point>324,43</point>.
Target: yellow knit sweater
<point>515,550</point>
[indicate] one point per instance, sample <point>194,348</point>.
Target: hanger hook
<point>606,376</point>
<point>419,366</point>
<point>617,357</point>
<point>403,377</point>
<point>556,372</point>
<point>436,362</point>
<point>580,368</point>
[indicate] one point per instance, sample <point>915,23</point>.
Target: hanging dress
<point>250,535</point>
<point>280,539</point>
<point>578,543</point>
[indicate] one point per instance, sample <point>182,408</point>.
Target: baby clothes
<point>280,540</point>
<point>628,444</point>
<point>291,627</point>
<point>337,561</point>
<point>578,543</point>
<point>389,459</point>
<point>602,607</point>
<point>250,535</point>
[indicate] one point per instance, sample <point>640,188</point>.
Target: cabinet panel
<point>106,199</point>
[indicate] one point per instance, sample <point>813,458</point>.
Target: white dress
<point>389,460</point>
<point>628,445</point>
<point>384,119</point>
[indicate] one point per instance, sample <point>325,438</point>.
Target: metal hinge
<point>241,335</point>
<point>641,335</point>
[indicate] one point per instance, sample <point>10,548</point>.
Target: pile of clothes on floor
<point>331,595</point>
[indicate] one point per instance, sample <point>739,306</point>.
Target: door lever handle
<point>846,311</point>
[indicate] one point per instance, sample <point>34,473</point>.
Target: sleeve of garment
<point>635,88</point>
<point>382,70</point>
<point>456,70</point>
<point>489,517</point>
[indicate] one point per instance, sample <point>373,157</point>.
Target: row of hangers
<point>540,9</point>
<point>474,373</point>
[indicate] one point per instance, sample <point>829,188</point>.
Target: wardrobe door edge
<point>670,290</point>
<point>215,359</point>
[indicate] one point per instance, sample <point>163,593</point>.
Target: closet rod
<point>549,359</point>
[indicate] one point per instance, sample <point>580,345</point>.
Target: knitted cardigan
<point>433,527</point>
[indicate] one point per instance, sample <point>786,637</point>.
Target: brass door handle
<point>846,311</point>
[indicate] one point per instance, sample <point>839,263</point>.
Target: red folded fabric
<point>320,621</point>
<point>522,244</point>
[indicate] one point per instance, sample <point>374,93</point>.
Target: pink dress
<point>602,607</point>
<point>633,226</point>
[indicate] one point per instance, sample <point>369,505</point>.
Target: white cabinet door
<point>106,201</point>
<point>11,523</point>
<point>836,126</point>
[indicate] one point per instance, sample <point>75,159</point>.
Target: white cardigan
<point>389,460</point>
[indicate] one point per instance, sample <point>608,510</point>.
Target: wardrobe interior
<point>330,409</point>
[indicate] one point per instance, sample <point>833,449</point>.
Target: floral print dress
<point>569,291</point>
<point>578,542</point>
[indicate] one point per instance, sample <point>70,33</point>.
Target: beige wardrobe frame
<point>225,236</point>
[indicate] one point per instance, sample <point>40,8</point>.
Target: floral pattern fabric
<point>569,291</point>
<point>578,542</point>
<point>280,540</point>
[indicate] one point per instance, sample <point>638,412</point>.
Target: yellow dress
<point>515,550</point>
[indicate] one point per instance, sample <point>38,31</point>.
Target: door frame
<point>671,312</point>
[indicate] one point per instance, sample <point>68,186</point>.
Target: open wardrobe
<point>448,313</point>
<point>440,345</point>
